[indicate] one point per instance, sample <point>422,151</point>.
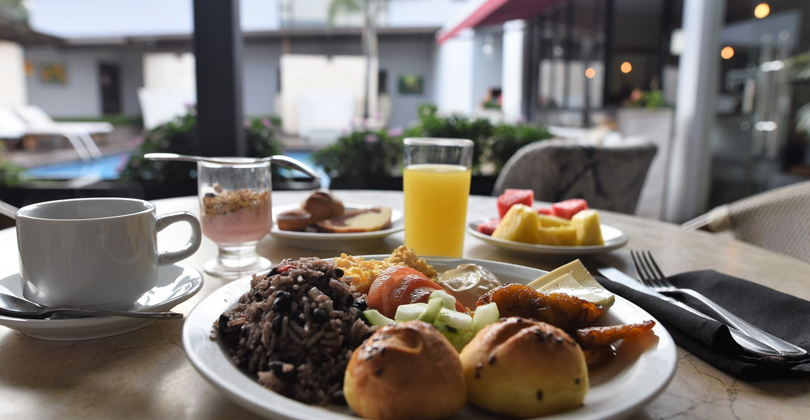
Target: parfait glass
<point>236,213</point>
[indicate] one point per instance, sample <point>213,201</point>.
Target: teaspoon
<point>281,160</point>
<point>14,307</point>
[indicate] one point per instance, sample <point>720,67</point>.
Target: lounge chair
<point>14,127</point>
<point>40,124</point>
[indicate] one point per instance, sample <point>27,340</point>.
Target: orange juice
<point>436,208</point>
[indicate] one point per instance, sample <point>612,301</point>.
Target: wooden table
<point>145,374</point>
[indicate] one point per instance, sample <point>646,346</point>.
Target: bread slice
<point>361,220</point>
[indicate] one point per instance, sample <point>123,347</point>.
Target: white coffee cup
<point>95,252</point>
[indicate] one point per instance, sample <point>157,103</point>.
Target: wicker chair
<point>608,177</point>
<point>777,220</point>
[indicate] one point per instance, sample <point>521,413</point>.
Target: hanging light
<point>590,73</point>
<point>626,67</point>
<point>727,52</point>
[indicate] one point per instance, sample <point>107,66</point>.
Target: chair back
<point>608,177</point>
<point>777,220</point>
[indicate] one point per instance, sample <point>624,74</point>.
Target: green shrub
<point>180,136</point>
<point>508,139</point>
<point>361,154</point>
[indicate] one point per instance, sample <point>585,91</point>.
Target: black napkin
<point>780,314</point>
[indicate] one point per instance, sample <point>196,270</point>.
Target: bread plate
<point>614,238</point>
<point>323,241</point>
<point>620,388</point>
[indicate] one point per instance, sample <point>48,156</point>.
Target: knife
<point>750,345</point>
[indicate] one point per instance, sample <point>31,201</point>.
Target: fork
<point>652,276</point>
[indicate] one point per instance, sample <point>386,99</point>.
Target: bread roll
<point>322,205</point>
<point>405,371</point>
<point>524,368</point>
<point>296,219</point>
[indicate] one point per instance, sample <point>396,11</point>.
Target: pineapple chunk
<point>520,224</point>
<point>588,228</point>
<point>552,221</point>
<point>559,235</point>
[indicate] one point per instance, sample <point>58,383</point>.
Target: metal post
<point>218,55</point>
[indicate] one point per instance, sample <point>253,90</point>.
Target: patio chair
<point>35,116</point>
<point>40,124</point>
<point>608,177</point>
<point>776,220</point>
<point>13,127</point>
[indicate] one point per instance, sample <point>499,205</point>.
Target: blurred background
<point>721,88</point>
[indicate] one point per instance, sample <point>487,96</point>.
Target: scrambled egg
<point>363,272</point>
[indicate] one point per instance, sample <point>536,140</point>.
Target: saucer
<point>176,283</point>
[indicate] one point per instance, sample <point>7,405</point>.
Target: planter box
<point>479,184</point>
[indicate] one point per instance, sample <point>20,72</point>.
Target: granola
<point>229,201</point>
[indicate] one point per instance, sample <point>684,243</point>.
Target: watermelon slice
<point>489,226</point>
<point>546,211</point>
<point>568,208</point>
<point>510,197</point>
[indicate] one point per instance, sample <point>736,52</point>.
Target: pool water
<point>108,167</point>
<point>105,168</point>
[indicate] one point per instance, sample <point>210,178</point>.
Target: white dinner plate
<point>324,241</point>
<point>176,283</point>
<point>614,238</point>
<point>617,390</point>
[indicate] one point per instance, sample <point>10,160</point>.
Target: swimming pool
<point>108,167</point>
<point>105,168</point>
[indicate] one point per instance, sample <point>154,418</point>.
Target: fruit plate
<point>614,238</point>
<point>325,241</point>
<point>634,377</point>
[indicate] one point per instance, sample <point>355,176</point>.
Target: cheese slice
<point>575,280</point>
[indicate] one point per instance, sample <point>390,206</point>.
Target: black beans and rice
<point>296,329</point>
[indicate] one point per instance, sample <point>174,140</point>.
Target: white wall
<point>513,71</point>
<point>81,95</point>
<point>412,12</point>
<point>454,78</point>
<point>12,75</point>
<point>169,71</point>
<point>407,56</point>
<point>487,69</point>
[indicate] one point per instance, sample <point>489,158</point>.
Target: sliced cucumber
<point>457,320</point>
<point>431,311</point>
<point>448,300</point>
<point>374,317</point>
<point>458,338</point>
<point>410,311</point>
<point>485,315</point>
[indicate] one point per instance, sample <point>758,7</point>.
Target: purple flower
<point>395,132</point>
<point>372,138</point>
<point>344,131</point>
<point>246,122</point>
<point>521,119</point>
<point>378,115</point>
<point>189,106</point>
<point>267,123</point>
<point>355,122</point>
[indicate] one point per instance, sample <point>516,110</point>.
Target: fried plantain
<point>598,356</point>
<point>558,309</point>
<point>596,337</point>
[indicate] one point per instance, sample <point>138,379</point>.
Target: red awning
<point>492,12</point>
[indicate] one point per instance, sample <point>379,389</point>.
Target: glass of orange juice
<point>437,187</point>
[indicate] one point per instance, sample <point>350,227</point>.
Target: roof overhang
<point>493,12</point>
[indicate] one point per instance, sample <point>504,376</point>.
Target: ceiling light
<point>726,53</point>
<point>762,10</point>
<point>626,67</point>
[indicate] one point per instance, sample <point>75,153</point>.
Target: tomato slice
<point>399,285</point>
<point>568,208</point>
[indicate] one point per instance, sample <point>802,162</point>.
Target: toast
<point>360,220</point>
